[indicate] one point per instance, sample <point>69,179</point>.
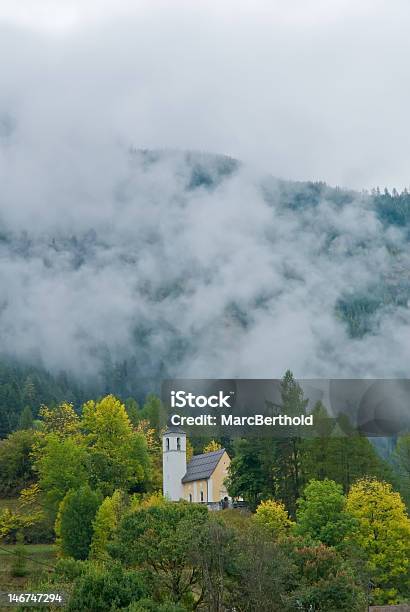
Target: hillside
<point>193,264</point>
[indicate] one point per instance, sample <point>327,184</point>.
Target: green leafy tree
<point>160,539</point>
<point>74,523</point>
<point>383,534</point>
<point>62,464</point>
<point>325,582</point>
<point>16,465</point>
<point>214,553</point>
<point>263,573</point>
<point>322,513</point>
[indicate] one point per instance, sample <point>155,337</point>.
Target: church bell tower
<point>173,462</point>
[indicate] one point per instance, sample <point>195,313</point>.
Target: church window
<point>190,498</point>
<point>202,496</point>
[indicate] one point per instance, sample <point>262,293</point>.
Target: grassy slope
<point>44,553</point>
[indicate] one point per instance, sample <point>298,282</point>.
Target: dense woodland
<point>326,525</point>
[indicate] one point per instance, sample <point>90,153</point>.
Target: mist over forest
<point>148,264</point>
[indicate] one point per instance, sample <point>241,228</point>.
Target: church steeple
<point>173,462</point>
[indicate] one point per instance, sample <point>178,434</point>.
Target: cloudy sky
<point>306,89</point>
<point>100,254</point>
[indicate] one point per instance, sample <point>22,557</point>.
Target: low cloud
<point>194,265</point>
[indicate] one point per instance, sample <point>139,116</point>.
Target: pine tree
<point>288,466</point>
<point>74,524</point>
<point>251,472</point>
<point>340,454</point>
<point>26,419</point>
<point>401,461</point>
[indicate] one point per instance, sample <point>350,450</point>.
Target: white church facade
<point>202,480</point>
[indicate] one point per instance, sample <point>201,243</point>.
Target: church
<point>199,481</point>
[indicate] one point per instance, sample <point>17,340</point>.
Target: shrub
<point>149,605</point>
<point>19,565</point>
<point>101,589</point>
<point>74,524</point>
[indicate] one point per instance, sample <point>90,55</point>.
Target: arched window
<point>190,498</point>
<point>167,444</point>
<point>178,443</point>
<point>202,496</point>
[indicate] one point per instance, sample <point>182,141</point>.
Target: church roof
<point>173,429</point>
<point>202,467</point>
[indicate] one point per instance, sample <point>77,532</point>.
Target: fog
<point>105,253</point>
<point>306,90</point>
<point>192,277</point>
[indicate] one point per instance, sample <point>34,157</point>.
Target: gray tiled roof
<point>173,429</point>
<point>202,466</point>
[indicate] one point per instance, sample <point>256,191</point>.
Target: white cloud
<point>306,89</point>
<point>214,283</point>
<point>303,90</point>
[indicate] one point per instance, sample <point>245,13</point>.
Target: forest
<point>325,524</point>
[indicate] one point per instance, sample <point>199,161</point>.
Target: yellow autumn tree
<point>273,516</point>
<point>105,523</point>
<point>153,500</point>
<point>118,455</point>
<point>211,447</point>
<point>154,446</point>
<point>61,420</point>
<point>189,450</point>
<point>383,536</point>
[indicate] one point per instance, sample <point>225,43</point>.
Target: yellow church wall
<point>217,489</point>
<point>214,489</point>
<point>194,488</point>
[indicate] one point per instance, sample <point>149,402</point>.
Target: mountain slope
<point>193,264</point>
